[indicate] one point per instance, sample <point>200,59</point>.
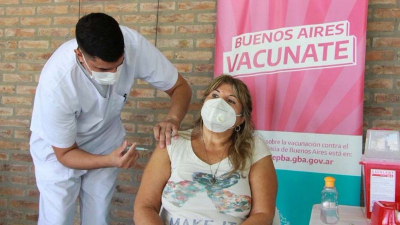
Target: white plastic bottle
<point>329,202</point>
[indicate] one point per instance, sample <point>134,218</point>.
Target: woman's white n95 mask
<point>218,116</point>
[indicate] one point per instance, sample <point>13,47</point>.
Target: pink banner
<point>303,61</point>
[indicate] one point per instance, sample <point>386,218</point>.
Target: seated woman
<point>218,173</point>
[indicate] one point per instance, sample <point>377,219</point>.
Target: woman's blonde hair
<point>241,148</point>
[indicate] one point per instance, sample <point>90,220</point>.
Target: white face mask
<point>218,116</point>
<point>105,78</point>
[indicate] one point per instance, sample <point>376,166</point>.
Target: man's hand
<point>124,159</point>
<point>180,94</point>
<point>163,132</point>
<point>76,158</point>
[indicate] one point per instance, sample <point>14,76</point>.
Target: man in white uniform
<point>77,142</point>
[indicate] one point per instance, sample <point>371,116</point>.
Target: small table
<point>348,215</point>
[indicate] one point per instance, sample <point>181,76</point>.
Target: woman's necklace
<point>213,179</point>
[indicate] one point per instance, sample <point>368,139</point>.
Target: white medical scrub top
<point>68,108</point>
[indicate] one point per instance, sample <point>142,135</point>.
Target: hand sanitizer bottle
<point>329,202</point>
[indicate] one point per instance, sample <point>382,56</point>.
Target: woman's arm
<point>148,200</point>
<point>263,184</point>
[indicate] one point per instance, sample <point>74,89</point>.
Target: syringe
<point>137,148</point>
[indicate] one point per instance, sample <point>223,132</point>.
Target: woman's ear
<point>241,120</point>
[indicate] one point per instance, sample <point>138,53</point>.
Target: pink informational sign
<point>303,61</point>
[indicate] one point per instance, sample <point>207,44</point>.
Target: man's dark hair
<point>99,35</point>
